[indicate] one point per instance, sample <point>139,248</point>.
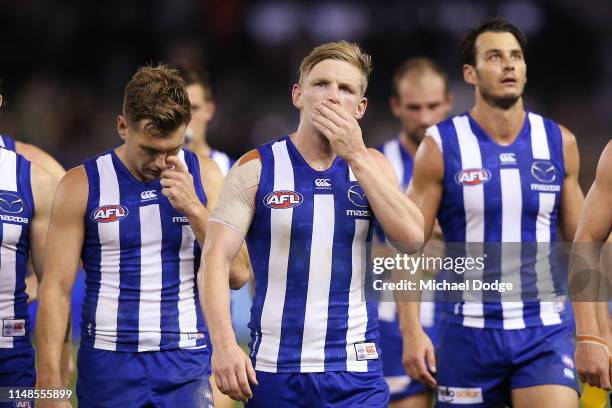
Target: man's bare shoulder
<point>39,157</point>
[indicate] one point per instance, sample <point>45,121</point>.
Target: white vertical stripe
<point>357,310</point>
<point>544,282</point>
<point>188,321</point>
<point>8,281</point>
<point>539,141</point>
<point>280,224</point>
<point>110,255</point>
<point>512,206</point>
<point>392,150</point>
<point>352,175</point>
<point>434,133</point>
<point>8,163</point>
<point>2,141</point>
<point>319,280</point>
<point>473,203</point>
<point>222,161</point>
<point>149,309</point>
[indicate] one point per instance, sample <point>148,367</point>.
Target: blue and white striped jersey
<point>224,162</point>
<point>141,259</point>
<point>400,159</point>
<point>307,244</point>
<point>16,212</point>
<point>7,142</point>
<point>495,193</point>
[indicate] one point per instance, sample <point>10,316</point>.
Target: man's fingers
<point>328,124</point>
<point>234,387</point>
<point>176,163</point>
<point>431,359</point>
<point>251,372</point>
<point>424,375</point>
<point>243,383</point>
<point>327,111</point>
<point>334,107</point>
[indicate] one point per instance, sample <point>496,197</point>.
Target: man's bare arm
<point>572,197</point>
<point>41,159</point>
<point>212,180</point>
<point>62,253</point>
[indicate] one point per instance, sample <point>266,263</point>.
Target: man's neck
<point>408,143</point>
<point>503,125</point>
<point>314,147</point>
<point>198,145</point>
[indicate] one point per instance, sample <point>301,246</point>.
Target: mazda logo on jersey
<point>283,199</point>
<point>357,196</point>
<point>109,213</point>
<point>11,203</point>
<point>543,171</point>
<point>472,177</point>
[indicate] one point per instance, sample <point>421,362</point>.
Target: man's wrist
<point>196,211</point>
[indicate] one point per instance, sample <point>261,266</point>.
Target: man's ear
<point>122,127</point>
<point>469,74</point>
<point>361,108</point>
<point>297,96</point>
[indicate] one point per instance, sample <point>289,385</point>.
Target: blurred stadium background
<point>64,64</point>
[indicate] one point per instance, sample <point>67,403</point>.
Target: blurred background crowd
<point>65,63</point>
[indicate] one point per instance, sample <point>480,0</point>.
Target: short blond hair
<point>340,51</point>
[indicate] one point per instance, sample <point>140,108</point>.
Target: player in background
<point>45,161</point>
<point>420,99</point>
<point>26,192</point>
<point>593,323</point>
<point>200,94</point>
<point>137,215</point>
<point>497,173</point>
<point>199,89</point>
<point>305,204</point>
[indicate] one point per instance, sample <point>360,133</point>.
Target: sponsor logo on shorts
<point>460,396</point>
<point>283,199</point>
<point>11,203</point>
<point>569,373</point>
<point>13,328</point>
<point>568,361</point>
<point>472,177</point>
<point>366,351</point>
<point>109,213</point>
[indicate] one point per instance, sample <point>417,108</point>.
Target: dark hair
<point>495,25</point>
<point>192,74</point>
<point>418,66</point>
<point>158,95</point>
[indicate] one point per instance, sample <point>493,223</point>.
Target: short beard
<point>501,102</point>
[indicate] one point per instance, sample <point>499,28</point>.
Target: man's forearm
<point>215,298</point>
<point>51,326</point>
<point>399,217</point>
<point>409,317</point>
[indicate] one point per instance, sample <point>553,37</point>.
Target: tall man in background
<point>498,174</point>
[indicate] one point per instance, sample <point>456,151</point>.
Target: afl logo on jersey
<point>283,199</point>
<point>109,213</point>
<point>472,177</point>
